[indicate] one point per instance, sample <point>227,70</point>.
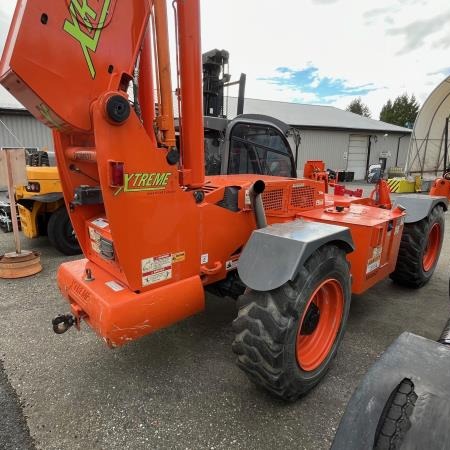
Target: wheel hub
<point>311,320</point>
<point>320,324</point>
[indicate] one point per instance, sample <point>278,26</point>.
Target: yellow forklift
<point>41,206</point>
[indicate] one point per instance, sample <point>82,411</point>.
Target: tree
<point>356,106</point>
<point>403,111</point>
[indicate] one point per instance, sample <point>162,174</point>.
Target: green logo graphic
<point>138,182</point>
<point>83,15</point>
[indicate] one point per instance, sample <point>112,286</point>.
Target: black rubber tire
<point>409,269</point>
<point>267,324</point>
<point>395,419</point>
<point>60,233</point>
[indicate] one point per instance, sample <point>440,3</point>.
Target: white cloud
<point>341,41</point>
<point>348,40</point>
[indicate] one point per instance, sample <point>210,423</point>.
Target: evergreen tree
<point>356,106</point>
<point>403,111</point>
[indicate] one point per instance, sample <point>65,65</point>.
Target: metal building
<point>345,141</point>
<point>19,128</point>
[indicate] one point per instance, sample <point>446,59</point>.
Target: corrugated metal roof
<point>299,115</point>
<point>7,110</point>
<point>315,116</point>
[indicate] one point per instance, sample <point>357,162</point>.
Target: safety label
<point>178,257</point>
<point>116,287</point>
<point>247,197</point>
<point>399,225</point>
<point>156,269</point>
<point>95,246</point>
<point>232,264</point>
<point>94,235</point>
<point>374,262</point>
<point>204,258</point>
<point>95,239</point>
<point>372,265</point>
<point>101,223</point>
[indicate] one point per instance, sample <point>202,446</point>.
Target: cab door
<point>257,145</point>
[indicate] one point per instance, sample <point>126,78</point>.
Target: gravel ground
<point>180,388</point>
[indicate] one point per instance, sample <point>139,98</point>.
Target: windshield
<point>259,149</point>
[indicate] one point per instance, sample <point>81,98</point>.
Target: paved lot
<point>180,387</point>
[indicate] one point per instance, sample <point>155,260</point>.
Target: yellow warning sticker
<point>178,257</point>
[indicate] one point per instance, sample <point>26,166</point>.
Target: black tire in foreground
<point>395,419</point>
<point>420,248</point>
<point>287,338</point>
<point>60,233</point>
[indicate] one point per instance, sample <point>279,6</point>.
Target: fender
<point>275,254</point>
<point>419,206</point>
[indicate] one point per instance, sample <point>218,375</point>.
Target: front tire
<point>419,251</point>
<point>287,338</point>
<point>60,233</point>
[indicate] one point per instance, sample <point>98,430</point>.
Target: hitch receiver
<point>62,323</point>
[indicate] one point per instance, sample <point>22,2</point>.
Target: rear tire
<point>282,343</point>
<point>60,233</point>
<point>419,251</point>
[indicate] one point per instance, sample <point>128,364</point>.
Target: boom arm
<point>87,48</point>
<point>82,51</point>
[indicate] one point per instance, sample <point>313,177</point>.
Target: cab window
<point>261,150</point>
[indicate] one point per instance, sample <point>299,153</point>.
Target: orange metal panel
<point>120,315</point>
<point>56,64</point>
<point>376,233</point>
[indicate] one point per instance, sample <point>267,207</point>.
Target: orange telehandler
<point>156,232</point>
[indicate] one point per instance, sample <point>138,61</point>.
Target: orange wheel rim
<point>432,249</point>
<point>320,324</point>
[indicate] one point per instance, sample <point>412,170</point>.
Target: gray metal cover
<point>418,206</point>
<point>274,255</point>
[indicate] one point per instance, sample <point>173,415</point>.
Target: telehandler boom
<point>155,231</point>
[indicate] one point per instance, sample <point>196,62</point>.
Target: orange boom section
<point>58,75</point>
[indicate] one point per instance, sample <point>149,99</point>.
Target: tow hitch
<point>62,323</point>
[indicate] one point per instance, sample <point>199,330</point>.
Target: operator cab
<point>249,143</point>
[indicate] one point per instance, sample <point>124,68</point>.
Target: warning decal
<point>232,264</point>
<point>374,262</point>
<point>178,257</point>
<point>116,287</point>
<point>156,269</point>
<point>95,239</point>
<point>100,222</point>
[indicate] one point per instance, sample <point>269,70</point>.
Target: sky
<point>324,52</point>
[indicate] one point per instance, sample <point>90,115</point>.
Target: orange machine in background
<point>156,232</point>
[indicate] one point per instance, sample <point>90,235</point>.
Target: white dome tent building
<point>428,150</point>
